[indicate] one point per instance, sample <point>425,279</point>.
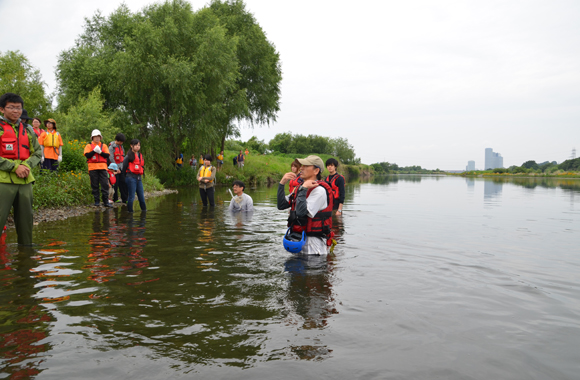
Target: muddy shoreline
<point>62,213</point>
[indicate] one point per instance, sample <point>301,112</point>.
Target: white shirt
<point>242,203</point>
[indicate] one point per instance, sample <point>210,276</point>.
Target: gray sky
<point>413,82</point>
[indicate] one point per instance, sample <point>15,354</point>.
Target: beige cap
<point>312,160</point>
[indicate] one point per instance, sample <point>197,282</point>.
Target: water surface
<point>433,277</point>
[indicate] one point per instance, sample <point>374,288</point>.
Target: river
<point>432,277</point>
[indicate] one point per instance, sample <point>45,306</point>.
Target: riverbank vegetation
<point>384,168</point>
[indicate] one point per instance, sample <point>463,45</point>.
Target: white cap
<point>96,132</point>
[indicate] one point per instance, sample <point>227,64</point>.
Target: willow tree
<point>256,96</point>
<point>176,73</point>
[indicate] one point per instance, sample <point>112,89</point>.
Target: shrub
<point>73,158</point>
<point>58,189</point>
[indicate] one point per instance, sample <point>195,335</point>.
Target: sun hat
<point>96,132</point>
<point>24,115</point>
<point>113,166</point>
<point>50,121</point>
<point>312,160</point>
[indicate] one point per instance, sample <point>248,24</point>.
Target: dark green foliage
<point>530,165</point>
<point>570,165</point>
<point>73,158</point>
<point>314,144</point>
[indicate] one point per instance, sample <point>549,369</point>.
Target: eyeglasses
<point>13,108</point>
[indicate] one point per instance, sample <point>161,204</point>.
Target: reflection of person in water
<point>24,322</point>
<point>310,298</point>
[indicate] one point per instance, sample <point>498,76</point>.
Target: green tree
<point>344,151</point>
<point>530,165</point>
<point>86,115</point>
<point>255,97</point>
<point>17,75</point>
<point>281,142</point>
<point>174,72</point>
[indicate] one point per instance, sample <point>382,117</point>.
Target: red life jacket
<point>13,147</point>
<point>97,158</point>
<point>332,183</point>
<point>136,166</point>
<point>112,177</point>
<point>295,183</point>
<point>118,155</point>
<point>321,224</point>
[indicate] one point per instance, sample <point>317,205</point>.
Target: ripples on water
<point>433,277</point>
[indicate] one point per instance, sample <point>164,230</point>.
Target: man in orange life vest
<point>19,153</point>
<point>97,154</point>
<point>310,205</point>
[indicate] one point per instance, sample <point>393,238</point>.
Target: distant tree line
<point>546,167</point>
<point>392,168</point>
<point>289,143</point>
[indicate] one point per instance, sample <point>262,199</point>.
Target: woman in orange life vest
<point>133,167</point>
<point>296,182</point>
<point>336,182</point>
<point>310,204</point>
<point>97,154</point>
<point>51,145</point>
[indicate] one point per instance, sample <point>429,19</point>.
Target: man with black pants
<point>97,154</point>
<point>118,154</point>
<point>206,178</point>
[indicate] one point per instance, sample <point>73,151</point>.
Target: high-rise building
<point>492,160</point>
<point>470,166</point>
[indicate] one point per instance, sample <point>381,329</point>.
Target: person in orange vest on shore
<point>51,145</point>
<point>19,153</point>
<point>97,154</point>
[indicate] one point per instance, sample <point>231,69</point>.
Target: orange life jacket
<point>97,158</point>
<point>14,147</point>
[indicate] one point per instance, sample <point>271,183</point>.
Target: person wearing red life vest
<point>117,157</point>
<point>296,182</point>
<point>97,154</point>
<point>19,153</point>
<point>336,182</point>
<point>133,166</point>
<point>310,205</point>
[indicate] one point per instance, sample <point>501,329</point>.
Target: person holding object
<point>242,201</point>
<point>310,208</point>
<point>19,153</point>
<point>133,165</point>
<point>295,168</point>
<point>51,145</point>
<point>97,154</point>
<point>118,152</point>
<point>336,182</point>
<point>206,178</point>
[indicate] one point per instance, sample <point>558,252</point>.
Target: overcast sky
<point>430,83</point>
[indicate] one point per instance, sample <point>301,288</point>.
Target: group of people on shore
<point>24,146</point>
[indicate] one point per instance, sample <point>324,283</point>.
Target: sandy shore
<point>61,213</point>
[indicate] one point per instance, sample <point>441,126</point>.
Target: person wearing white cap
<point>310,206</point>
<point>97,154</point>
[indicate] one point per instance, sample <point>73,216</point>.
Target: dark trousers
<point>100,177</point>
<point>207,194</point>
<point>135,186</point>
<point>19,196</point>
<point>121,186</point>
<point>50,164</point>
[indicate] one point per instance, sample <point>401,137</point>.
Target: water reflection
<point>491,190</point>
<point>310,301</point>
<point>24,323</point>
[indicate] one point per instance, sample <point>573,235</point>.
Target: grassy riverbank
<point>67,189</point>
<point>258,169</point>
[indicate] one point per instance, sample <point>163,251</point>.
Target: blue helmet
<point>293,241</point>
